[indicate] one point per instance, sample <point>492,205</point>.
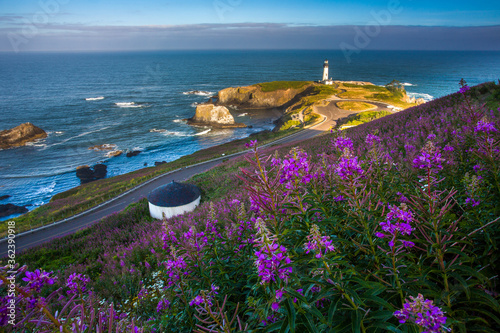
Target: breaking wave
<point>426,97</point>
<point>94,98</point>
<point>199,93</point>
<point>204,132</point>
<point>408,84</point>
<point>128,105</point>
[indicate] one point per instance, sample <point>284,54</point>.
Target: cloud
<point>76,37</point>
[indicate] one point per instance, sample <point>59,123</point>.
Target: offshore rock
<point>133,153</point>
<point>3,197</point>
<point>214,116</point>
<point>10,209</point>
<point>20,135</point>
<point>87,174</point>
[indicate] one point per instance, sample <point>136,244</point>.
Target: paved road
<point>36,237</point>
<point>39,236</point>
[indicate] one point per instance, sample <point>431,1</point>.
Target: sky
<point>112,25</point>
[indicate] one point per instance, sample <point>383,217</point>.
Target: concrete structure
<point>325,74</point>
<point>173,199</point>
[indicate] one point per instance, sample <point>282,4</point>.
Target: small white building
<point>173,199</point>
<point>325,74</point>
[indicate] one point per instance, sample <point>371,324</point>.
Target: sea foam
<point>426,97</point>
<point>94,98</point>
<point>128,105</point>
<point>199,93</point>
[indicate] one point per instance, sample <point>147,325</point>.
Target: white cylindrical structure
<point>325,71</point>
<point>173,199</point>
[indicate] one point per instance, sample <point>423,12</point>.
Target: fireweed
<point>253,244</point>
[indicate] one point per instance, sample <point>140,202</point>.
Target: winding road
<point>38,236</point>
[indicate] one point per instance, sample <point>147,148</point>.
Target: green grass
<point>365,117</point>
<point>355,106</point>
<point>375,93</point>
<point>282,85</point>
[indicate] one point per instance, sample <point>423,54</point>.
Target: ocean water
<point>137,100</point>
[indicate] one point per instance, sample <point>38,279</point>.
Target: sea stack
<point>214,116</point>
<point>20,135</point>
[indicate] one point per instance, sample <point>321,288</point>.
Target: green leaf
<point>310,324</point>
<point>356,321</point>
<point>291,315</point>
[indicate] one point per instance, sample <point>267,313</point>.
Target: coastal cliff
<point>215,116</point>
<point>20,135</point>
<point>256,96</point>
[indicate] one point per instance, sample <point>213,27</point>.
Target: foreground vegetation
<point>389,226</point>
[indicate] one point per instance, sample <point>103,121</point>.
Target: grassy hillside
<point>336,234</point>
<point>282,85</point>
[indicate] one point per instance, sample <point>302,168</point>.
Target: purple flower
<point>251,144</point>
<point>163,305</point>
<point>37,279</point>
<point>348,167</point>
<point>339,198</point>
<point>320,244</point>
<point>275,306</point>
<point>397,224</point>
<point>423,313</point>
<point>464,89</point>
<point>487,127</point>
<point>472,202</point>
<point>428,160</point>
<point>372,139</point>
<point>342,144</point>
<point>77,283</point>
<point>295,168</point>
<point>270,262</point>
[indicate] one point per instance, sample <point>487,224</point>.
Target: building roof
<point>174,194</point>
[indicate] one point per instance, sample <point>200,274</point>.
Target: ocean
<point>137,100</point>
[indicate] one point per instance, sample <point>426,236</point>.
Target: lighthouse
<point>325,71</point>
<point>325,74</point>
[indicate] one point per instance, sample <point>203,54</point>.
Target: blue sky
<point>189,24</point>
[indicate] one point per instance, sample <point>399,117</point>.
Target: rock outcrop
<point>10,209</point>
<point>133,153</point>
<point>3,197</point>
<point>215,116</point>
<point>86,174</point>
<point>20,135</point>
<point>253,97</point>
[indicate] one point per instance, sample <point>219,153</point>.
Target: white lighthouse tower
<point>325,71</point>
<point>325,74</point>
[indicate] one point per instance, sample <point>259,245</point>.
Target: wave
<point>195,104</point>
<point>178,121</point>
<point>79,135</point>
<point>204,132</point>
<point>128,105</point>
<point>154,130</point>
<point>408,84</point>
<point>199,93</point>
<point>426,97</point>
<point>242,115</point>
<point>94,98</point>
<point>169,133</point>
